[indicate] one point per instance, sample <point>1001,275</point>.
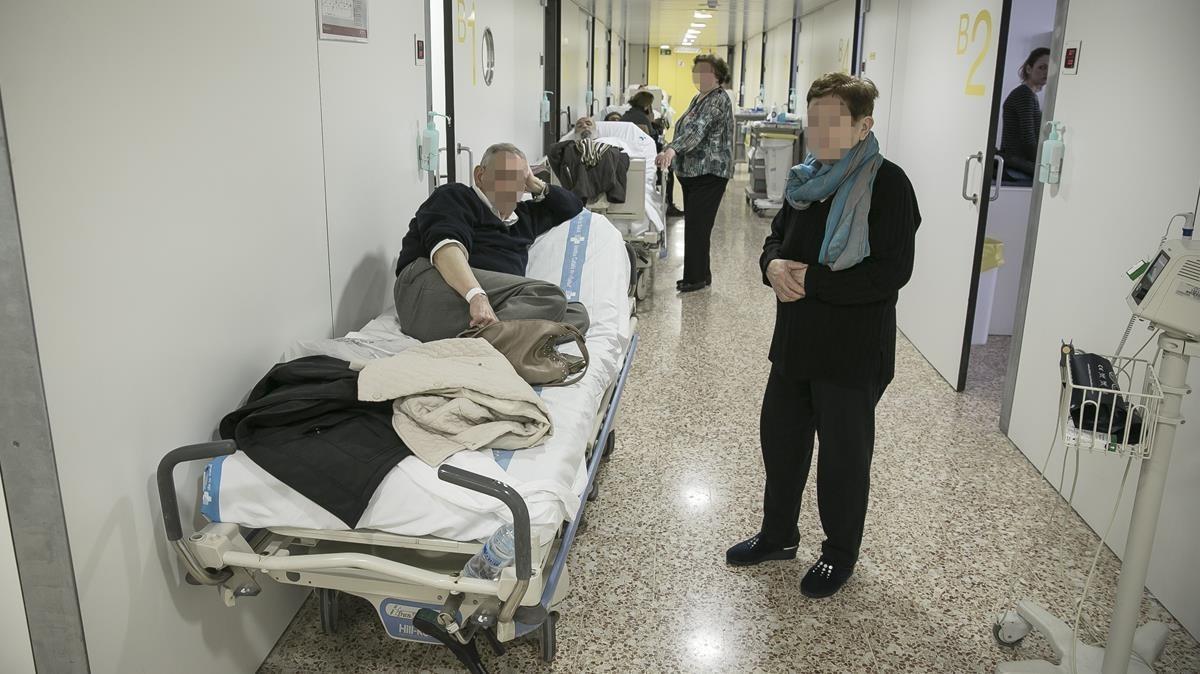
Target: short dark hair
<point>720,69</point>
<point>858,93</point>
<point>1034,55</point>
<point>642,100</point>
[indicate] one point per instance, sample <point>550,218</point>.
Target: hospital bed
<point>423,523</point>
<point>642,218</point>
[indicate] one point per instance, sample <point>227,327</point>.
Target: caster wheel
<point>1010,629</point>
<point>329,610</point>
<point>643,285</point>
<point>593,491</point>
<point>610,444</point>
<point>549,637</point>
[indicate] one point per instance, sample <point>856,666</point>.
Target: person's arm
<point>773,243</point>
<point>893,220</point>
<point>443,223</point>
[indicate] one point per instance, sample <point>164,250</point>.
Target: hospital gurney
<point>413,581</point>
<point>642,218</point>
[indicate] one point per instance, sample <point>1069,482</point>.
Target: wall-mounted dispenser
<point>428,146</point>
<point>1053,149</point>
<point>546,106</point>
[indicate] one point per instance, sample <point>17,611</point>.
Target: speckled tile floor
<point>951,502</point>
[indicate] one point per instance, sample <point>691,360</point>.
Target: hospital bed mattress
<point>411,500</point>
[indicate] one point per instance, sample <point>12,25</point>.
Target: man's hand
<point>532,184</point>
<point>664,158</point>
<point>787,279</point>
<point>481,312</point>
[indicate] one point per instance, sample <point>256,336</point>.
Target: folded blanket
<point>456,394</point>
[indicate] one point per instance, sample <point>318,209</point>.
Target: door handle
<point>973,198</point>
<point>470,159</point>
<point>999,175</point>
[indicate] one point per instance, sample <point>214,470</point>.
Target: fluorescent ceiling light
<point>702,15</point>
<point>699,25</point>
<point>664,46</point>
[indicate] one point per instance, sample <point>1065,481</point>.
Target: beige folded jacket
<point>455,394</point>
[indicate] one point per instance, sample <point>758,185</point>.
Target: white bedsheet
<point>551,477</point>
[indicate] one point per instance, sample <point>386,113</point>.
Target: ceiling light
<point>699,25</point>
<point>702,15</point>
<point>664,46</point>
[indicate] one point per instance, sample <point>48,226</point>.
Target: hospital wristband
<point>472,293</point>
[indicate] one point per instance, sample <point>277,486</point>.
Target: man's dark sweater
<point>455,211</point>
<point>844,329</point>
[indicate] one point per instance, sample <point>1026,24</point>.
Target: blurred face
<point>612,117</point>
<point>503,181</point>
<point>832,131</point>
<point>704,77</point>
<point>1039,72</point>
<point>585,127</point>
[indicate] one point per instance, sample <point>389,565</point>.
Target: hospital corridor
<point>845,336</point>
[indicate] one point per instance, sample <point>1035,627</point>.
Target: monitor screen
<point>1151,275</point>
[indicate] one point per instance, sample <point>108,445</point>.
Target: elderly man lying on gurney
<point>462,263</point>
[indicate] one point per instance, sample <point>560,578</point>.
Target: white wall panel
<point>167,164</point>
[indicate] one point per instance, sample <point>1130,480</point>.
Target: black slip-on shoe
<point>825,578</point>
<point>755,551</point>
<point>692,286</point>
<point>673,212</point>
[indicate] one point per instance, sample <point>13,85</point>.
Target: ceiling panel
<point>658,22</point>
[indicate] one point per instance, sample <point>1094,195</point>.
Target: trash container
<point>778,156</point>
<point>989,270</point>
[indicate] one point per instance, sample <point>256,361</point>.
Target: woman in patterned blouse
<point>702,156</point>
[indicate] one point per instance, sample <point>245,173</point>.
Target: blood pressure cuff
<point>1094,410</point>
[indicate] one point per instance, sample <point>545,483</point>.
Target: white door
<point>940,112</point>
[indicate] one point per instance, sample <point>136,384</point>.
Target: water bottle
<point>497,553</point>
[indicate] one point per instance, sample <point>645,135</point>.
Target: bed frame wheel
<point>593,490</point>
<point>329,610</point>
<point>610,444</point>
<point>548,635</point>
<point>643,284</point>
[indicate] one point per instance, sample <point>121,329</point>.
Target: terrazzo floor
<point>952,502</point>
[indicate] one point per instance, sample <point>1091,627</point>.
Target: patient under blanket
<point>590,168</point>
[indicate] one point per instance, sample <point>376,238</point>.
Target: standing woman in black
<point>1022,115</point>
<point>839,251</point>
<point>702,156</point>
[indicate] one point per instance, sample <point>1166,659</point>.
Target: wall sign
<point>342,20</point>
<point>418,50</point>
<point>969,34</point>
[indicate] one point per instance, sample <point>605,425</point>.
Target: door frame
<point>552,72</point>
<point>1057,41</point>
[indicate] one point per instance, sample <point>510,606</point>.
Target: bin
<point>778,157</point>
<point>989,271</point>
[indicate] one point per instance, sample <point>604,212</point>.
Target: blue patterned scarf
<point>853,179</point>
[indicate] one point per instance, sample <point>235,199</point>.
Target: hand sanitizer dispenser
<point>428,147</point>
<point>546,106</point>
<point>1050,168</point>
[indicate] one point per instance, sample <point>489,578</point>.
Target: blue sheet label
<point>575,254</point>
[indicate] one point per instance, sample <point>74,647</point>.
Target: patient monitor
<point>1168,294</point>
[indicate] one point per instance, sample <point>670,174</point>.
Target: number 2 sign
<point>969,34</point>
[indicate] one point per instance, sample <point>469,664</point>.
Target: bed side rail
<point>169,502</point>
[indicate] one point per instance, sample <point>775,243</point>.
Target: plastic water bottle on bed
<point>497,553</point>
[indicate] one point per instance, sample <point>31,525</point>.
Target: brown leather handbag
<point>531,345</point>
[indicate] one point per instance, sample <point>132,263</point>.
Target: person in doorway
<point>462,263</point>
<point>702,155</point>
<point>1022,115</point>
<point>839,251</point>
